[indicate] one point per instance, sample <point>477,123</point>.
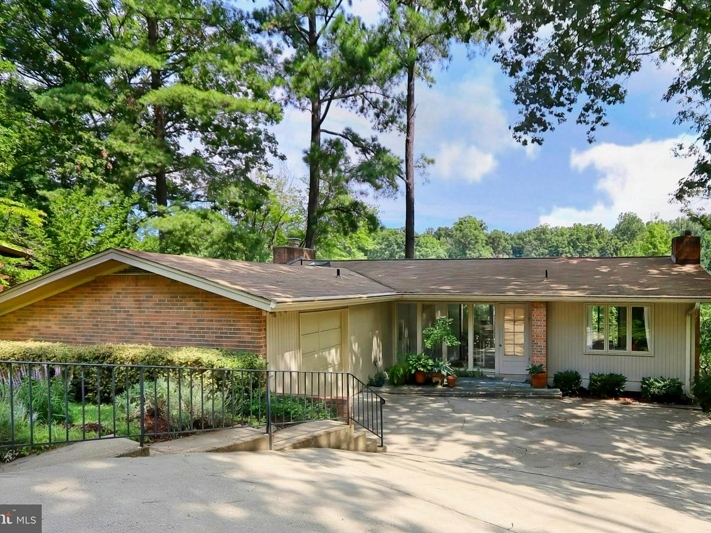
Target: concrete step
<point>240,439</point>
<point>474,392</point>
<point>317,434</point>
<point>359,441</point>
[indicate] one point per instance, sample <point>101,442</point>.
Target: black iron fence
<point>57,403</point>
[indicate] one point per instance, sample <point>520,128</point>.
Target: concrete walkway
<point>453,464</point>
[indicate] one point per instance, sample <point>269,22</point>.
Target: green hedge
<point>132,354</point>
<point>128,354</point>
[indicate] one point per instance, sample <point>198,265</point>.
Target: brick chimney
<point>284,255</point>
<point>686,249</point>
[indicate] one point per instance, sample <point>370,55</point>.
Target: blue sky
<point>463,123</point>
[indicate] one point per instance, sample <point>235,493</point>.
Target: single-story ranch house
<point>638,316</point>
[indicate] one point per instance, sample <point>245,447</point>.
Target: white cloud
<point>638,178</point>
<point>458,161</point>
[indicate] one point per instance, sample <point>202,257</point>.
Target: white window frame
<point>607,350</point>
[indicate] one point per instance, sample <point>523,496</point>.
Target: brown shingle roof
<point>628,277</point>
<point>280,283</point>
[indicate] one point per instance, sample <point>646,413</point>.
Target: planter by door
<point>539,381</point>
<point>451,380</point>
<point>420,377</point>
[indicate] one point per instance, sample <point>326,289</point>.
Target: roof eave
<point>108,262</point>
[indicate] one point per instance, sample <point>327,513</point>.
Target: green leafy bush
<point>398,374</point>
<point>43,402</point>
<point>419,362</point>
<point>461,373</point>
<point>607,385</point>
<point>702,391</point>
<point>172,405</point>
<point>664,390</point>
<point>568,381</point>
<point>87,383</point>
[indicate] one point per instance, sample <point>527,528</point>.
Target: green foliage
<point>167,100</point>
<point>285,409</point>
<point>43,402</point>
<point>126,354</point>
<point>175,405</point>
<point>568,381</point>
<point>419,362</point>
<point>535,369</point>
<point>442,367</point>
<point>705,339</point>
<point>607,385</point>
<point>663,390</point>
<point>379,379</point>
<point>461,373</point>
<point>702,391</point>
<point>398,373</point>
<point>440,332</point>
<point>334,60</point>
<point>82,222</point>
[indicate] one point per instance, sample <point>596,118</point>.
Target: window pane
<point>514,331</point>
<point>429,315</point>
<point>406,328</point>
<point>617,327</point>
<point>459,315</point>
<point>640,329</point>
<point>484,346</point>
<point>596,327</point>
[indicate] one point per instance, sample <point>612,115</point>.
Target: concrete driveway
<point>452,464</point>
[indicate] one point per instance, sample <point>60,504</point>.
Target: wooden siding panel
<point>283,348</point>
<point>566,344</point>
<point>370,338</point>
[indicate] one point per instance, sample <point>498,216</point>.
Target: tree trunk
<point>314,148</point>
<point>161,191</point>
<point>410,165</point>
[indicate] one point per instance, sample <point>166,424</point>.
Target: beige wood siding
<point>370,338</point>
<point>283,347</point>
<point>322,342</point>
<point>566,344</point>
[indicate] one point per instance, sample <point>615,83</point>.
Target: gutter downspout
<point>691,341</point>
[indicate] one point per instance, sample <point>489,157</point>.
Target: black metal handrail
<point>56,403</point>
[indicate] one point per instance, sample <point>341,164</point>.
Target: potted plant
<point>437,334</point>
<point>440,370</point>
<point>419,365</point>
<point>399,372</point>
<point>378,380</point>
<point>539,377</point>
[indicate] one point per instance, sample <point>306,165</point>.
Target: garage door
<point>321,341</point>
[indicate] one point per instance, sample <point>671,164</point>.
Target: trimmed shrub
<point>702,391</point>
<point>607,385</point>
<point>663,390</point>
<point>86,383</point>
<point>568,381</point>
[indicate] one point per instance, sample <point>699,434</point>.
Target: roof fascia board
<point>414,298</point>
<point>303,304</point>
<point>64,272</point>
<point>125,260</point>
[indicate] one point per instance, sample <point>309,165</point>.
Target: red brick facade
<point>539,334</point>
<point>139,309</point>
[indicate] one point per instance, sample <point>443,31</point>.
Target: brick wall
<point>139,309</point>
<point>539,333</point>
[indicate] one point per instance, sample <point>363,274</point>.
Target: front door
<point>513,353</point>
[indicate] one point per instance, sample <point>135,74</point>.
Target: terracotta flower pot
<point>539,381</point>
<point>420,377</point>
<point>451,380</point>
